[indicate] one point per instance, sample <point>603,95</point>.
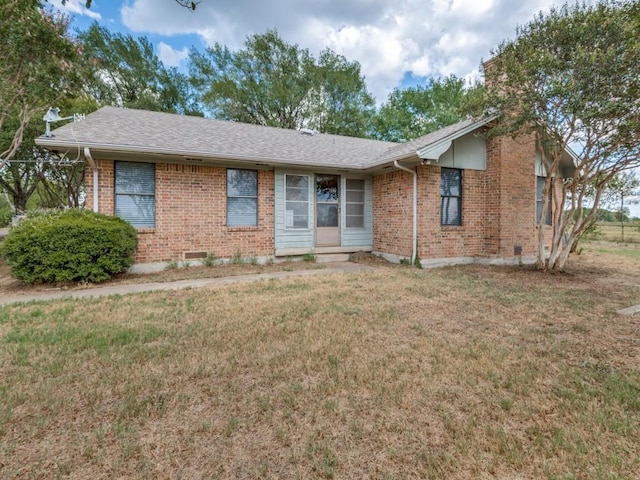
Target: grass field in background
<point>613,232</point>
<point>457,373</point>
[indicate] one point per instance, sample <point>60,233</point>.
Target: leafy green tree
<point>125,71</point>
<point>53,180</point>
<point>37,68</point>
<point>271,82</point>
<point>411,112</point>
<point>625,186</point>
<point>572,77</point>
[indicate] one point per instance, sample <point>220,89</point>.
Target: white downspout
<point>415,210</point>
<point>92,163</point>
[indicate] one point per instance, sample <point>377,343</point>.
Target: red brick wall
<point>437,241</point>
<point>392,213</point>
<point>511,168</point>
<point>498,208</point>
<point>191,213</point>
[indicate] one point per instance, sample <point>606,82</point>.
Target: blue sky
<point>397,42</point>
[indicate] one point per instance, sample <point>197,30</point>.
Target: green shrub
<point>69,246</point>
<point>210,260</point>
<point>6,214</point>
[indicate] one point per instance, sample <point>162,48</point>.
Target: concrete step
<point>332,257</point>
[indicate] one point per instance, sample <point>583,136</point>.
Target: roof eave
<point>438,148</point>
<point>189,154</point>
<point>422,153</point>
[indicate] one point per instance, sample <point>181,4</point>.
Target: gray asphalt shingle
<point>155,132</point>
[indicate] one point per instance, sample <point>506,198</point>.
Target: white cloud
<point>387,37</point>
<point>76,7</point>
<point>170,56</point>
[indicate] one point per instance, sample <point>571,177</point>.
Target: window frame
<point>347,203</point>
<point>539,189</point>
<point>117,165</point>
<point>254,197</point>
<point>444,198</point>
<point>286,201</point>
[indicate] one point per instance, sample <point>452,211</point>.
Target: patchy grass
<point>623,256</point>
<point>465,372</point>
<point>631,250</point>
<point>190,270</point>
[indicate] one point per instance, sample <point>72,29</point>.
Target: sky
<point>398,43</point>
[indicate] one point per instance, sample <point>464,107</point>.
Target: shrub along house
<point>193,186</point>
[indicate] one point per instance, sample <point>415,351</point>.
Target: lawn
<point>462,372</point>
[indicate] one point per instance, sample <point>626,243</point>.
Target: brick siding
<point>191,213</point>
<point>498,208</point>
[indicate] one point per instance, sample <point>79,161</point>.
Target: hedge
<point>69,246</point>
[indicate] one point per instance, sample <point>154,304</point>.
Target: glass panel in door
<point>327,210</point>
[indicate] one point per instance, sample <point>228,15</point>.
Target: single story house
<point>193,186</point>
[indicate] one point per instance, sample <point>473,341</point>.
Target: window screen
<point>355,203</point>
<point>135,199</point>
<point>296,201</point>
<point>242,197</point>
<point>540,187</point>
<point>450,196</point>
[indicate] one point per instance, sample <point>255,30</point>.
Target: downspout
<point>415,210</point>
<point>94,167</point>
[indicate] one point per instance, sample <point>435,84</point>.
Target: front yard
<point>465,372</point>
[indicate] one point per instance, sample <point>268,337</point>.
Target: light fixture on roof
<point>307,131</point>
<point>53,115</point>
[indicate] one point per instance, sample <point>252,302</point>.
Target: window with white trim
<point>450,196</point>
<point>296,210</point>
<point>242,197</point>
<point>135,193</point>
<point>355,203</point>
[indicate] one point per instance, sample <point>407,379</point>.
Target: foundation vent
<point>194,255</point>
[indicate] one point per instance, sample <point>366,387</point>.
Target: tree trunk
<point>622,215</point>
<point>19,203</point>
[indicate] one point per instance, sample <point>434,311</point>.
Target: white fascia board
<point>434,152</point>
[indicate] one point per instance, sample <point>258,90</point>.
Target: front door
<point>327,210</point>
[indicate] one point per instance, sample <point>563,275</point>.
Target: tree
<point>183,3</point>
<point>271,82</point>
<point>411,112</point>
<point>57,181</point>
<point>624,185</point>
<point>37,68</point>
<point>125,71</point>
<point>571,77</point>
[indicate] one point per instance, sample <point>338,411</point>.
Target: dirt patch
<point>9,286</point>
<point>370,259</point>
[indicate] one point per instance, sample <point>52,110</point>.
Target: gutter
<point>414,243</point>
<point>94,167</point>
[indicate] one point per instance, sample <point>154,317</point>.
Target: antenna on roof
<point>53,115</point>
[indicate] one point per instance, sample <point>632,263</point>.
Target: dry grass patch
<point>9,286</point>
<point>466,372</point>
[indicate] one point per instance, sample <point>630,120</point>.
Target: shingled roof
<point>113,129</point>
